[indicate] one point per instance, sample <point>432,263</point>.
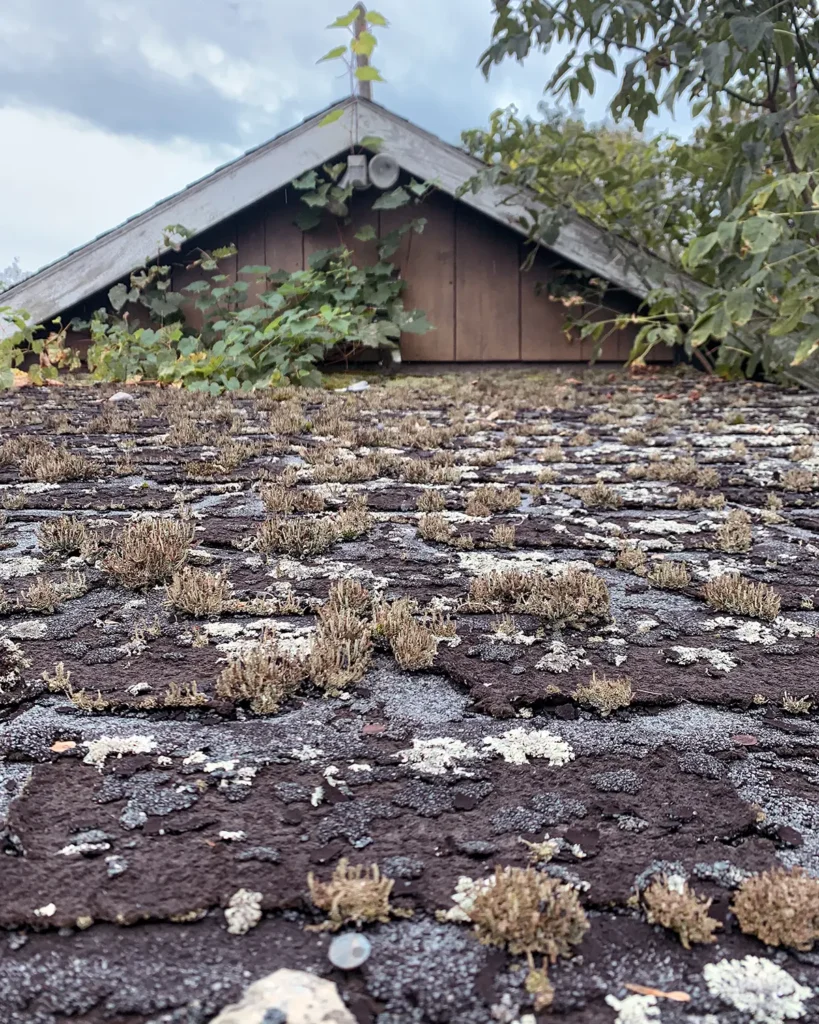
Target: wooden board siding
<point>464,271</point>
<point>426,262</point>
<point>487,290</point>
<point>541,318</point>
<point>283,239</point>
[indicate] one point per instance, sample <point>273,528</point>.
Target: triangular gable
<point>269,167</point>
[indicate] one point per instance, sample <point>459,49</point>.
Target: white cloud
<point>69,181</point>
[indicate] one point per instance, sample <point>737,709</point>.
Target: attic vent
<point>381,171</point>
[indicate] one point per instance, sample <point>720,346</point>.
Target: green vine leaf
<point>364,44</point>
<point>368,74</point>
<point>330,118</point>
<point>392,200</point>
<point>345,20</point>
<point>334,54</point>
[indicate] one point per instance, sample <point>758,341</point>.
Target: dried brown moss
<point>677,907</point>
<point>149,551</point>
<point>669,574</point>
<point>599,495</point>
<point>342,648</point>
<point>571,597</point>
<point>184,695</point>
<point>780,907</point>
<point>412,643</point>
<point>485,500</point>
<point>733,593</point>
<point>502,536</point>
<point>527,912</point>
<point>297,537</point>
<point>801,480</point>
<point>430,501</point>
<point>691,500</point>
<point>50,463</point>
<point>355,895</point>
<point>734,536</point>
<point>45,595</point>
<point>198,592</point>
<point>630,559</point>
<point>281,499</point>
<point>65,535</point>
<point>605,695</point>
<point>263,677</point>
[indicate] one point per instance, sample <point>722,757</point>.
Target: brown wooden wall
<point>464,271</point>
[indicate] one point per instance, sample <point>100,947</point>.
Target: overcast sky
<point>107,106</point>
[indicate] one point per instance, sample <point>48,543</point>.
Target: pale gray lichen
<point>244,911</point>
<point>439,755</point>
<point>561,658</point>
<point>719,660</point>
<point>635,1009</point>
<point>516,746</point>
<point>758,987</point>
<point>105,746</point>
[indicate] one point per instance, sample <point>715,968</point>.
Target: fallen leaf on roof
<point>744,739</point>
<point>645,990</point>
<point>62,745</point>
<point>373,729</point>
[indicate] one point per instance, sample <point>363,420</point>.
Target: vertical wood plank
<point>427,263</point>
<point>214,238</point>
<point>487,292</point>
<point>542,318</point>
<point>335,231</point>
<point>251,250</point>
<point>283,243</point>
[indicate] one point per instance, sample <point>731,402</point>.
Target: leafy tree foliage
<point>736,207</point>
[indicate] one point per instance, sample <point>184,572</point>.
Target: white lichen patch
<point>719,660</point>
<point>754,632</point>
<point>758,987</point>
<point>673,526</point>
<point>49,910</point>
<point>479,562</point>
<point>29,629</point>
<point>792,628</point>
<point>107,746</point>
<point>232,837</point>
<point>80,849</point>
<point>518,637</point>
<point>517,745</point>
<point>15,661</point>
<point>306,753</point>
<point>716,567</point>
<point>634,1009</point>
<point>25,565</point>
<point>560,658</point>
<point>244,911</point>
<point>225,630</point>
<point>35,487</point>
<point>438,756</point>
<point>466,892</point>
